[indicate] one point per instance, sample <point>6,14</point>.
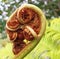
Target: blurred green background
<point>51,9</point>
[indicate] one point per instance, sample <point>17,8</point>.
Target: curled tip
<point>32,31</point>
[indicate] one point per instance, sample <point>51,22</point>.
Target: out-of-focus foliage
<point>51,9</point>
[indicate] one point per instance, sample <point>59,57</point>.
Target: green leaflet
<point>55,24</point>
<point>6,52</point>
